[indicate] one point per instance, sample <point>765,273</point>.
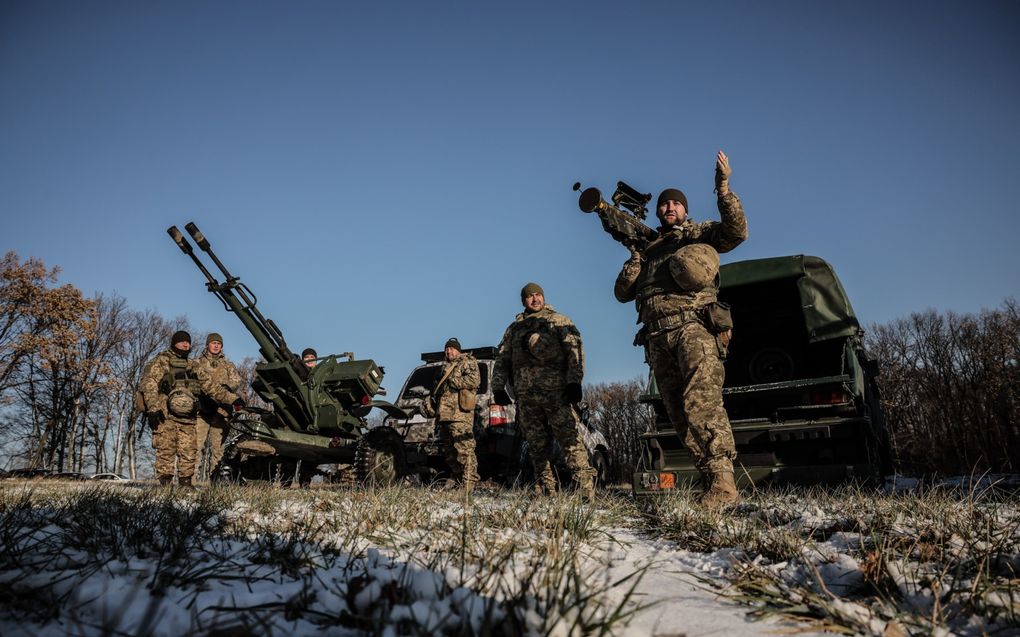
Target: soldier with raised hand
<point>454,404</point>
<point>674,282</point>
<point>541,356</point>
<point>172,387</point>
<point>211,422</point>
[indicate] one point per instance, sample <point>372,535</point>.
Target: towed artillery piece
<point>317,414</point>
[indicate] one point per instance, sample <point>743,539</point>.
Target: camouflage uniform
<point>174,436</point>
<point>455,423</point>
<point>540,354</point>
<point>686,357</point>
<point>212,418</point>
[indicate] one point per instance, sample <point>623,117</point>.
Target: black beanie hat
<point>454,343</point>
<point>180,336</point>
<point>672,194</point>
<point>309,350</point>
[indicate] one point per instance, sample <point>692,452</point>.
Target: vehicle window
<point>426,377</point>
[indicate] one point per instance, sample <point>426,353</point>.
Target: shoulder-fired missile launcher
<point>317,414</point>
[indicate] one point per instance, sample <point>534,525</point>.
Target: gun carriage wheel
<point>379,458</point>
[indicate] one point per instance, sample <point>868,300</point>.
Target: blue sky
<point>385,175</point>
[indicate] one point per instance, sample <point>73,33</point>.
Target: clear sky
<point>385,175</point>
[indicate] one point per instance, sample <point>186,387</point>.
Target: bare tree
<point>614,409</point>
<point>951,389</point>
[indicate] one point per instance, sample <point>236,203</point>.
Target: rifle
<point>626,227</point>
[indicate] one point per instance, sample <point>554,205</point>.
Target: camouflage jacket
<point>646,279</point>
<point>223,374</point>
<point>540,350</point>
<point>155,384</point>
<point>463,376</point>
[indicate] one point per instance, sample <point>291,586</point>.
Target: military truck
<point>500,446</point>
<point>317,414</point>
<point>800,390</point>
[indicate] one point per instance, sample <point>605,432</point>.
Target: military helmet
<point>694,267</point>
<point>181,402</point>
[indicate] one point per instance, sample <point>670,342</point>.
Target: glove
<point>239,404</point>
<point>155,419</point>
<point>722,174</point>
<point>500,397</point>
<point>574,393</point>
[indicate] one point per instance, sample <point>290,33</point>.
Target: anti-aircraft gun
<point>317,414</point>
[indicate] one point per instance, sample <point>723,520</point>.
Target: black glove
<point>239,404</point>
<point>574,393</point>
<point>155,418</point>
<point>500,397</point>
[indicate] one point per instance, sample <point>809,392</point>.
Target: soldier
<point>308,356</point>
<point>686,332</point>
<point>454,403</point>
<point>171,388</point>
<point>211,422</point>
<point>542,358</point>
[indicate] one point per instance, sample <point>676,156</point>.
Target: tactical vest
<point>182,387</point>
<point>532,324</point>
<point>655,277</point>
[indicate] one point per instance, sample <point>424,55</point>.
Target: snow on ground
<point>139,594</point>
<point>675,592</point>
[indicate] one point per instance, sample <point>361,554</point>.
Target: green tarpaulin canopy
<point>826,308</point>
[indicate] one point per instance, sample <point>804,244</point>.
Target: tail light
<point>498,416</point>
<point>828,397</point>
<point>366,399</point>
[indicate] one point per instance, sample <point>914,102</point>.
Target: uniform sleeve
<point>624,290</point>
<point>467,377</point>
<point>574,351</point>
<point>732,230</point>
<point>149,385</point>
<point>234,380</point>
<point>211,388</point>
<point>502,371</point>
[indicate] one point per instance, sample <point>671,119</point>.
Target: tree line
<point>69,367</point>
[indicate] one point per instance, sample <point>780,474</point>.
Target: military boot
<point>185,484</point>
<point>166,481</point>
<point>722,492</point>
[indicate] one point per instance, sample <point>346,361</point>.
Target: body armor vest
<point>181,386</point>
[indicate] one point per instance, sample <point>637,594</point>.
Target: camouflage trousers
<point>174,440</point>
<point>458,442</point>
<point>553,418</point>
<point>688,367</point>
<point>214,428</point>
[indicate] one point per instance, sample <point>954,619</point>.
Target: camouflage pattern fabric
<point>546,417</point>
<point>212,428</point>
<point>175,440</point>
<point>455,426</point>
<point>540,354</point>
<point>155,390</point>
<point>458,441</point>
<point>647,278</point>
<point>690,374</point>
<point>463,374</point>
<point>170,435</point>
<point>686,358</point>
<point>211,422</point>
